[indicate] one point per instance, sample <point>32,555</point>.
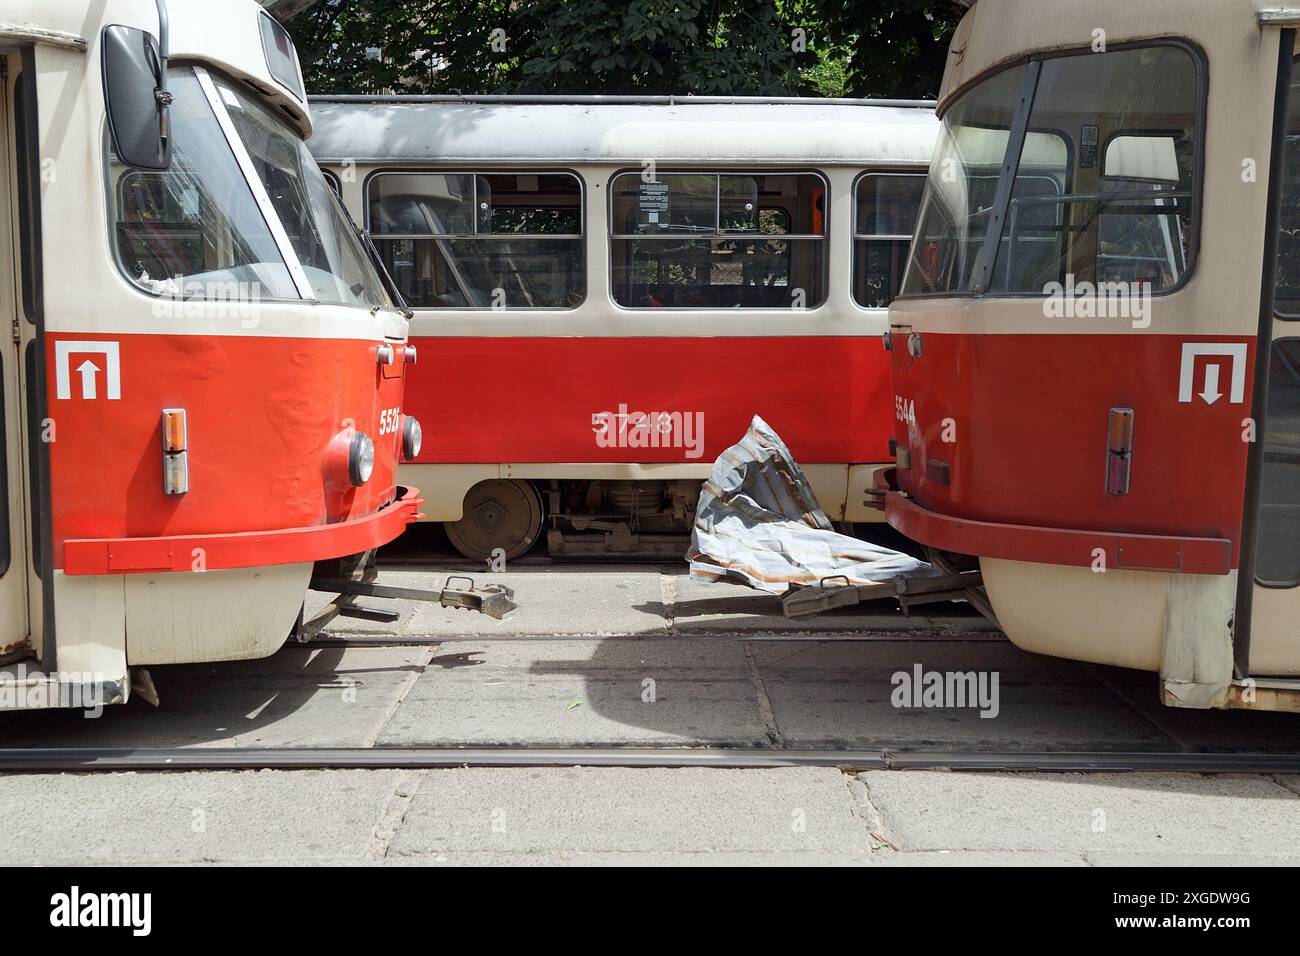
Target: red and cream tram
<point>202,394</point>
<point>607,289</point>
<point>1095,354</point>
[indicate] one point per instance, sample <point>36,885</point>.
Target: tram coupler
<point>356,577</point>
<point>494,600</point>
<point>803,601</point>
<point>909,592</point>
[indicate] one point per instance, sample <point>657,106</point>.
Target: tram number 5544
<point>905,410</point>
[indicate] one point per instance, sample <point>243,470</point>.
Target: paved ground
<point>640,657</point>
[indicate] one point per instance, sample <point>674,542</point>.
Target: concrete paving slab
<point>840,695</point>
<point>552,600</point>
<point>617,810</point>
<point>680,858</point>
<point>588,693</point>
<point>1189,860</point>
<point>299,697</point>
<point>980,858</point>
<point>723,606</point>
<point>1202,729</point>
<point>244,817</point>
<point>1156,815</point>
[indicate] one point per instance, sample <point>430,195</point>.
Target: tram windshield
<point>1103,187</point>
<point>196,230</point>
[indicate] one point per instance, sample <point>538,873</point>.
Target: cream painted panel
<point>443,487</point>
<point>226,34</point>
<point>1110,617</point>
<point>90,626</point>
<point>862,478</point>
<point>235,614</point>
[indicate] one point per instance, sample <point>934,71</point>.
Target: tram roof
<point>617,130</point>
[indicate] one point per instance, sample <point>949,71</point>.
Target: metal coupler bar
<point>909,592</point>
<point>494,600</point>
<point>806,601</point>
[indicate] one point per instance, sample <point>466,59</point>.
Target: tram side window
<point>885,219</point>
<point>1123,210</point>
<point>481,240</point>
<point>719,240</point>
<point>194,230</point>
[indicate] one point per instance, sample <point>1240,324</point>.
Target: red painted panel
<point>244,549</point>
<point>532,399</point>
<point>1067,546</point>
<point>261,412</point>
<point>1028,414</point>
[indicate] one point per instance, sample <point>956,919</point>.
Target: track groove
<point>62,760</point>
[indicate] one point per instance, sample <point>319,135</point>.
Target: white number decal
<point>904,410</point>
<point>388,420</point>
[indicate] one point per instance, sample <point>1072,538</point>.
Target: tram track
<point>102,760</point>
<point>881,635</point>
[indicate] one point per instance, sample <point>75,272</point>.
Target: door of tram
<point>1273,494</point>
<point>21,364</point>
<point>13,577</point>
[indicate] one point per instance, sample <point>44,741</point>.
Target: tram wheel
<point>501,513</point>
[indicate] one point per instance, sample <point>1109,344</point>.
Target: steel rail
<point>364,639</point>
<point>63,760</point>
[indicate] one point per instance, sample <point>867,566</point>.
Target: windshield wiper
<point>377,260</point>
<point>363,235</point>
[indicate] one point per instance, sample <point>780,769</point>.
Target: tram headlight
<point>412,438</point>
<point>361,458</point>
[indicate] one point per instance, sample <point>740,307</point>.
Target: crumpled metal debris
<point>759,523</point>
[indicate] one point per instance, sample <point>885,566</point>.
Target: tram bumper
<point>129,601</point>
<point>1161,603</point>
<point>246,549</point>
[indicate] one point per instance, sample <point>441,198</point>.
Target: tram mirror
<point>135,111</point>
<point>1148,159</point>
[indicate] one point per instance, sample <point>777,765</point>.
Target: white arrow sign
<point>89,371</point>
<point>1209,394</point>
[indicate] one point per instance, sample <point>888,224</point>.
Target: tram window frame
<point>1293,103</point>
<point>579,239</point>
<point>332,179</point>
<point>30,254</point>
<point>1025,112</point>
<point>117,174</point>
<point>616,239</point>
<point>1268,530</point>
<point>860,238</point>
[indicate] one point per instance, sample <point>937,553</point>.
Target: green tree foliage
<point>896,48</point>
<point>773,47</point>
<point>656,46</point>
<point>375,46</point>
